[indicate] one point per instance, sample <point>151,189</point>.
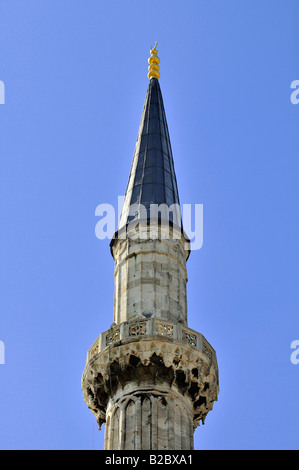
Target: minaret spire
<point>152,179</point>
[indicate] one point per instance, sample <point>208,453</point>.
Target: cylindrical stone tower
<point>150,378</point>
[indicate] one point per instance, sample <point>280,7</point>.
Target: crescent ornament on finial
<point>153,69</point>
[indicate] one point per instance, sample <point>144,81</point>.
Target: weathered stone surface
<point>150,274</point>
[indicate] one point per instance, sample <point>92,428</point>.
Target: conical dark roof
<point>152,178</point>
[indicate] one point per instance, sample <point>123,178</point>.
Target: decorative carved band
<point>154,362</point>
<point>206,349</point>
<point>137,328</point>
<point>164,329</point>
<point>112,336</point>
<point>152,327</point>
<point>189,338</point>
<point>95,349</point>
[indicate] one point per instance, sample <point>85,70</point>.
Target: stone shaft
<point>145,418</point>
<point>150,274</point>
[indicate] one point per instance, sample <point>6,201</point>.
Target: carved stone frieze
<point>152,360</point>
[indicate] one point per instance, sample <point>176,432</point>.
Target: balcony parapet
<point>139,329</point>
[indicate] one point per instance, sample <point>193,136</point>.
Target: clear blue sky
<point>75,75</point>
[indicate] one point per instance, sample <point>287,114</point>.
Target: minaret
<point>150,378</point>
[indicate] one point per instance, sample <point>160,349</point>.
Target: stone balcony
<point>136,330</point>
<point>151,357</point>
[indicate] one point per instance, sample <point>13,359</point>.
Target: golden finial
<point>153,70</point>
